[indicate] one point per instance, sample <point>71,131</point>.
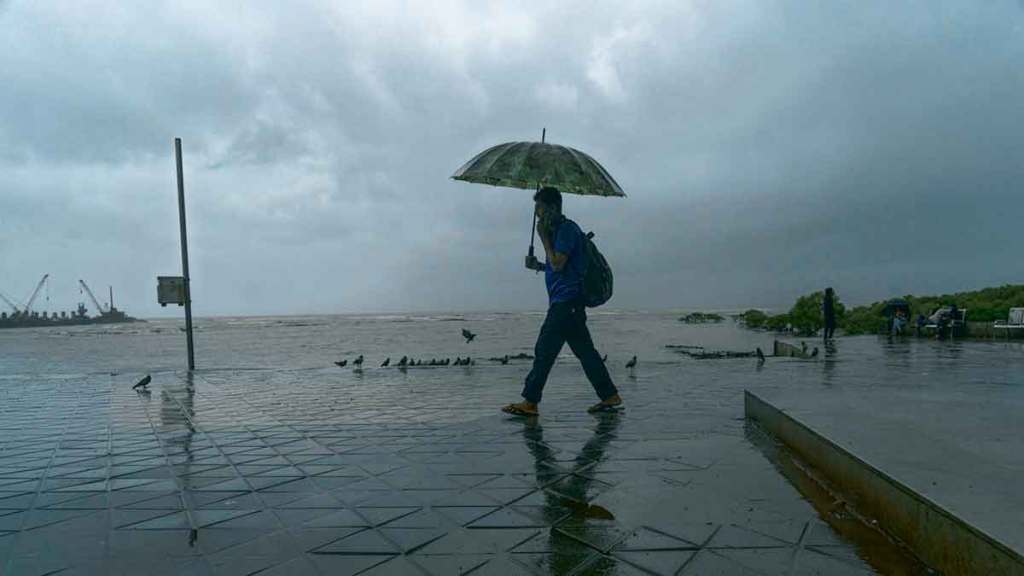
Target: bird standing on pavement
<point>632,363</point>
<point>386,363</point>
<point>143,383</point>
<point>358,362</point>
<point>468,335</point>
<point>342,363</point>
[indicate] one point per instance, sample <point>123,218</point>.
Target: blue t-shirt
<point>567,284</point>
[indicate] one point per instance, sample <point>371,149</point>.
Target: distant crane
<point>35,293</point>
<point>99,307</point>
<point>9,303</point>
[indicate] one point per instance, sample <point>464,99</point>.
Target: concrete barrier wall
<point>936,536</point>
<point>988,330</point>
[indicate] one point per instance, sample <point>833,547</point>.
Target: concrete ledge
<point>941,539</point>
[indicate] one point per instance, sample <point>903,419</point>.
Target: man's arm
<point>556,259</point>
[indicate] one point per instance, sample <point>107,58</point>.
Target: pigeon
<point>458,361</point>
<point>143,383</point>
<point>632,363</point>
<point>760,355</point>
<point>402,363</point>
<point>342,364</point>
<point>468,335</point>
<point>358,362</point>
<point>387,362</point>
<point>504,360</point>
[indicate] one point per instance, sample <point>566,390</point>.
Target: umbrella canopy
<point>894,305</point>
<point>531,165</point>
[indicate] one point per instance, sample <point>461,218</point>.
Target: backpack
<point>597,281</point>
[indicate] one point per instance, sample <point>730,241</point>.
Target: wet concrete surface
<point>962,448</point>
<point>327,471</point>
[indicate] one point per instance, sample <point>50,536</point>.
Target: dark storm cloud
<point>767,148</point>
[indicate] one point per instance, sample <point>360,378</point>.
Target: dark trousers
<point>566,322</point>
<point>830,327</point>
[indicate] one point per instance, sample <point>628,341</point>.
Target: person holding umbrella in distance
<point>573,272</point>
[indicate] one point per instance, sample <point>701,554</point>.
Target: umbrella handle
<point>533,233</point>
<point>533,228</point>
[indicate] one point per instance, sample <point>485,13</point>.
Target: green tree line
<point>804,318</point>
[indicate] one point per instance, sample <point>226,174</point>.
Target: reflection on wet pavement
<point>326,472</point>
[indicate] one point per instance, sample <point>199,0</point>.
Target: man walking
<point>566,321</point>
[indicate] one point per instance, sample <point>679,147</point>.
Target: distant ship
<point>25,317</point>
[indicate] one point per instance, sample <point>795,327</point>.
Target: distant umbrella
<point>896,305</point>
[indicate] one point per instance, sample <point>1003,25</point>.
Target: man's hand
<point>533,264</point>
<point>544,230</point>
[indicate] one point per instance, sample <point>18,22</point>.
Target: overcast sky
<point>767,149</point>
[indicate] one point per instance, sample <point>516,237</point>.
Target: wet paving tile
<point>296,472</point>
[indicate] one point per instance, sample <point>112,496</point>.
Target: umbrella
<point>531,165</point>
<point>895,304</point>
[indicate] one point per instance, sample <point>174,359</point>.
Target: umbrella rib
<point>576,156</point>
<point>614,185</point>
<point>462,170</point>
<point>517,173</point>
<point>496,156</point>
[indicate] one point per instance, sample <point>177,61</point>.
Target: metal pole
<point>184,255</point>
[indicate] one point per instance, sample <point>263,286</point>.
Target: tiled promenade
<point>333,472</point>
